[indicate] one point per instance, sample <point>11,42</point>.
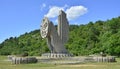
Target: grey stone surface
<point>56,55</point>
<point>23,60</point>
<point>76,60</point>
<point>56,38</point>
<point>63,27</point>
<point>104,59</point>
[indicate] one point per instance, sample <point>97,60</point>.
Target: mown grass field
<point>4,64</point>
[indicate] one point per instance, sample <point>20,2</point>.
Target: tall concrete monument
<point>56,38</point>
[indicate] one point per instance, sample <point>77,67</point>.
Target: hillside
<point>101,36</point>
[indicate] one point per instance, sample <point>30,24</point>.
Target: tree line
<point>91,38</point>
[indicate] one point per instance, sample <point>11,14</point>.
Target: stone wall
<point>22,60</point>
<point>104,59</point>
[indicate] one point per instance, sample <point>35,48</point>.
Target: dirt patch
<point>80,65</point>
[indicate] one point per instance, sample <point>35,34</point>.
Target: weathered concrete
<point>56,38</point>
<point>76,60</point>
<point>22,60</point>
<point>63,27</point>
<point>104,59</point>
<point>56,55</point>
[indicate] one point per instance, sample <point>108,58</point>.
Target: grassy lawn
<point>4,64</point>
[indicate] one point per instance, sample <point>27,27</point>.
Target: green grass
<point>4,64</point>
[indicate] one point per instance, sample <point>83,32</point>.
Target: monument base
<point>56,55</point>
<point>76,60</point>
<point>22,60</point>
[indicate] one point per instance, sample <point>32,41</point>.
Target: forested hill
<point>92,38</point>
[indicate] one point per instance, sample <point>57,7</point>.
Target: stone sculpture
<point>56,38</point>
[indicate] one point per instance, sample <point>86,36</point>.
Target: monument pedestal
<point>56,55</point>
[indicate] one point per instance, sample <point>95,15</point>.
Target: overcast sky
<point>20,16</point>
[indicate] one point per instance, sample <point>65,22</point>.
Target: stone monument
<point>56,38</point>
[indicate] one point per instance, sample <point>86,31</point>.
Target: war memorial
<point>56,39</point>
